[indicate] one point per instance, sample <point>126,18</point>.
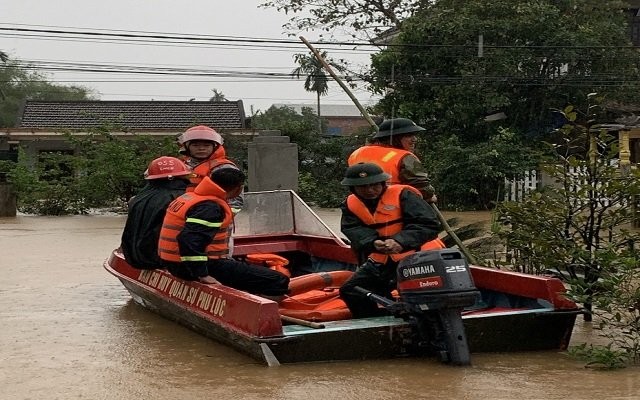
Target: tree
<point>19,82</point>
<point>316,79</point>
<point>299,127</point>
<point>535,55</point>
<point>365,18</point>
<point>579,226</point>
<point>470,176</point>
<point>217,96</point>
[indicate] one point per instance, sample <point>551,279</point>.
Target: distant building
<point>42,124</point>
<point>634,21</point>
<point>342,120</point>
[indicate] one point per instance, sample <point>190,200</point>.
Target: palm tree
<point>316,80</point>
<point>217,96</point>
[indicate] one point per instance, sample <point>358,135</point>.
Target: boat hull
<point>515,312</point>
<point>252,325</point>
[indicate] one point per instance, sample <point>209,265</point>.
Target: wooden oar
<point>302,322</point>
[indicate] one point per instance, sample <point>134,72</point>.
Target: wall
<point>7,200</point>
<point>347,125</point>
<point>273,163</point>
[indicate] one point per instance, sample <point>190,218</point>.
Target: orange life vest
<point>316,297</point>
<point>176,218</point>
<point>204,169</point>
<point>386,157</point>
<point>387,220</point>
<point>269,260</point>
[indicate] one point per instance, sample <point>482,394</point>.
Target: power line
<point>171,38</point>
<point>232,75</point>
<point>203,38</point>
<point>119,69</point>
<point>35,61</point>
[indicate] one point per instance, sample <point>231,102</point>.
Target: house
<point>341,119</point>
<point>42,124</point>
<point>634,21</point>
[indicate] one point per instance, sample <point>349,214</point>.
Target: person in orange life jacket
<point>167,178</point>
<point>384,224</point>
<point>392,149</point>
<point>194,239</point>
<point>204,151</point>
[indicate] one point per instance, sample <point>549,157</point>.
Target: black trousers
<point>236,274</point>
<point>249,278</point>
<point>377,278</point>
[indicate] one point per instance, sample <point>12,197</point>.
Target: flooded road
<point>68,330</point>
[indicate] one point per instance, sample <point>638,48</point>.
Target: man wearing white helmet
<point>204,151</point>
<point>167,178</point>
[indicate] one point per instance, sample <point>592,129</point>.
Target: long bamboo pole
<point>326,66</point>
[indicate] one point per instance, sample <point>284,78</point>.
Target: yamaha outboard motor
<point>434,287</point>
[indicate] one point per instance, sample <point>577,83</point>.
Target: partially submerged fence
<point>517,189</point>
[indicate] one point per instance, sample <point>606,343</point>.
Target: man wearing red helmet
<point>167,178</point>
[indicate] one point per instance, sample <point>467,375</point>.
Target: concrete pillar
<point>7,200</point>
<point>625,169</point>
<point>273,163</point>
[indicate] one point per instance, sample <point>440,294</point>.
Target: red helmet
<point>166,167</point>
<point>200,132</point>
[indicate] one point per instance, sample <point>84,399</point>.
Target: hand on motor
<point>387,246</point>
<point>433,199</point>
<point>209,280</point>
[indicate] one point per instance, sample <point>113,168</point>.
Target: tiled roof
<point>132,115</point>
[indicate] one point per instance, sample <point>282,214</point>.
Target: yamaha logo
<point>418,270</point>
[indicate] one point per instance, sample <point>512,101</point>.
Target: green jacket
<point>420,224</point>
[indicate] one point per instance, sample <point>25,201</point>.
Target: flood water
<point>68,330</point>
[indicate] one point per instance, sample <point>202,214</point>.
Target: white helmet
<point>200,132</point>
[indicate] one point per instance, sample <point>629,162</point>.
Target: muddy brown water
<point>68,330</point>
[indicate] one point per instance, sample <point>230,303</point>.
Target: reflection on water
<point>69,330</point>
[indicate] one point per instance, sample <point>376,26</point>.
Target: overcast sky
<point>194,18</point>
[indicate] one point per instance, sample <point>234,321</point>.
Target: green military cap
<point>364,174</point>
<point>397,126</point>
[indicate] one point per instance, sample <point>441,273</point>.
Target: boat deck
<point>351,324</point>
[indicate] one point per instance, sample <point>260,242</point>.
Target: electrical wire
<point>454,53</point>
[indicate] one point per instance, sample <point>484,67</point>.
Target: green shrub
<point>103,171</point>
<point>578,226</point>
